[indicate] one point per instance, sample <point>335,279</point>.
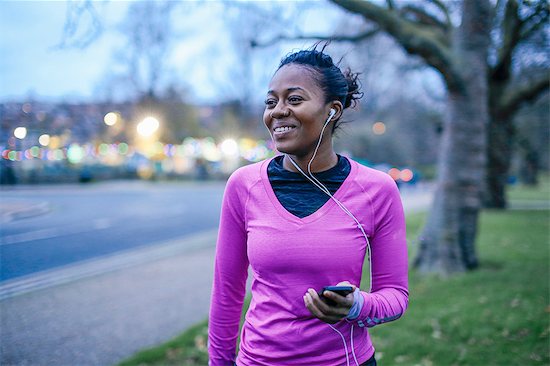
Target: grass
<point>541,192</point>
<point>496,315</point>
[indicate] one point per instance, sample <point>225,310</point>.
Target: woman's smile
<point>283,131</point>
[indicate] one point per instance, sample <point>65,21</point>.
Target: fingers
<point>339,300</point>
<point>320,309</point>
<point>346,283</point>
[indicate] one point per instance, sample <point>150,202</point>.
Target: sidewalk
<point>103,311</point>
<point>103,319</point>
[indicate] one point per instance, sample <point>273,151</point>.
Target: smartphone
<point>340,290</point>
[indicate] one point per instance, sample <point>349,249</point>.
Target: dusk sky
<point>31,63</point>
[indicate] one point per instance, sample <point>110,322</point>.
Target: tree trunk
<point>447,243</point>
<point>500,139</point>
<point>529,163</point>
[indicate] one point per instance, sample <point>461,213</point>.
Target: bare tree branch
<point>510,32</point>
<point>520,92</point>
<point>341,38</point>
<point>423,17</point>
<point>537,19</point>
<point>429,42</point>
<point>76,12</point>
<point>444,10</point>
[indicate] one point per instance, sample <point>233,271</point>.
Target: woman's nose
<point>280,111</point>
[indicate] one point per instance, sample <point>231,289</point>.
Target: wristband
<point>358,301</point>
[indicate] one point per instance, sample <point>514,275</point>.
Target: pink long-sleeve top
<point>287,255</point>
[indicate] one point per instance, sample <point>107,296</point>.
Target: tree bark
<point>500,141</point>
<point>447,243</point>
<point>506,97</point>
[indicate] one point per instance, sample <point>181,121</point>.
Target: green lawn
<point>496,315</point>
<point>523,193</point>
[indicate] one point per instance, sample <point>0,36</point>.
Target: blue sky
<point>202,61</point>
<point>30,63</point>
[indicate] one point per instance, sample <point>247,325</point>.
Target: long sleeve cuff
<point>358,302</point>
<point>381,307</point>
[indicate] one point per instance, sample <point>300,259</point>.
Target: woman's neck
<point>323,161</point>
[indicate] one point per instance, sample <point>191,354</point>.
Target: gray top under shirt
<point>297,194</point>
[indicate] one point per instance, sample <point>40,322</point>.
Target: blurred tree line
<point>459,95</point>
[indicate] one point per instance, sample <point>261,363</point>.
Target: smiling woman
<point>302,221</point>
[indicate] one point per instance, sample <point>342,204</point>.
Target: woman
<point>302,221</point>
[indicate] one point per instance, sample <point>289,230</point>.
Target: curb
<point>106,264</point>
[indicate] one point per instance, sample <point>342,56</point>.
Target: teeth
<point>283,129</point>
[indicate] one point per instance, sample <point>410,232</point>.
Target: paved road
<point>70,223</point>
<point>114,306</point>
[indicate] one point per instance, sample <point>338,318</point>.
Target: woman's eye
<point>270,102</point>
<point>294,100</point>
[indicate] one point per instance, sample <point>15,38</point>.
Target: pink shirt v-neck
<point>288,255</point>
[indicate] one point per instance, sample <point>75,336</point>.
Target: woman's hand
<point>329,313</point>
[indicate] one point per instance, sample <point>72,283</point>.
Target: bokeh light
<point>406,175</point>
<point>35,151</point>
<point>394,173</point>
<point>148,126</point>
<point>44,139</point>
<point>379,128</point>
<point>20,133</point>
<point>75,154</point>
<point>55,142</point>
<point>229,147</point>
<point>111,118</point>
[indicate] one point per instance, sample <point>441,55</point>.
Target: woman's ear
<point>338,109</point>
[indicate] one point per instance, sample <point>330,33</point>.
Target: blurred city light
<point>146,157</point>
<point>44,139</point>
<point>75,154</point>
<point>379,128</point>
<point>229,147</point>
<point>148,126</point>
<point>26,108</point>
<point>20,133</point>
<point>406,175</point>
<point>394,173</point>
<point>35,151</point>
<point>55,142</point>
<point>111,118</point>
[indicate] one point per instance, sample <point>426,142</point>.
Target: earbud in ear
<point>332,113</point>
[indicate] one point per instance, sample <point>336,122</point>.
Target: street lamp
<point>20,133</point>
<point>44,139</point>
<point>111,118</point>
<point>148,126</point>
<point>230,147</point>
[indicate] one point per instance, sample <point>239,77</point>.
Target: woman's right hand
<point>330,314</point>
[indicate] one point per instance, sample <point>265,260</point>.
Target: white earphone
<point>332,113</point>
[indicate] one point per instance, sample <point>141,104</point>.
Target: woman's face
<point>295,111</point>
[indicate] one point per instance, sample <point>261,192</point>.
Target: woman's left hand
<point>329,313</point>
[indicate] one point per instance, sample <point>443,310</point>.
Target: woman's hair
<point>336,85</point>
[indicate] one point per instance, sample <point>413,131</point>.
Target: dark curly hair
<point>336,85</point>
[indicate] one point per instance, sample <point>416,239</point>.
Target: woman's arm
<point>388,298</point>
<point>230,273</point>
